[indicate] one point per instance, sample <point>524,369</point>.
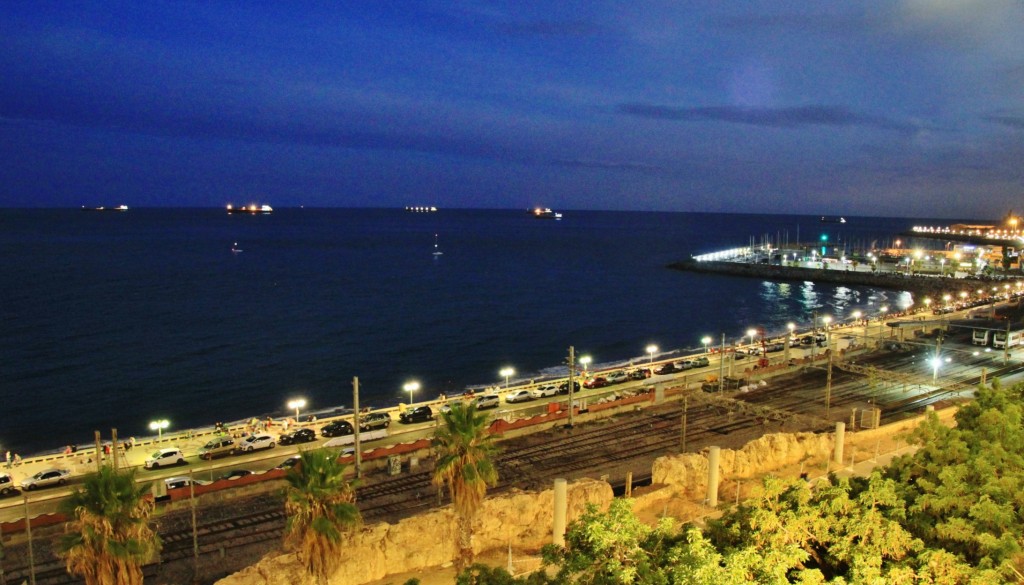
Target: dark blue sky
<point>908,107</point>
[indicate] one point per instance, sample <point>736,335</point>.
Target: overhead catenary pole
<point>572,376</point>
<point>113,447</point>
<point>721,366</point>
<point>355,407</point>
<point>28,534</point>
<point>682,434</point>
<point>99,452</point>
<point>828,384</point>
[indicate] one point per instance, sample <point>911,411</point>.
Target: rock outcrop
<point>428,540</point>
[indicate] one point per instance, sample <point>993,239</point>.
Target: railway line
<point>608,447</point>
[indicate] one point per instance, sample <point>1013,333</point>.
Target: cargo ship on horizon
<point>251,208</point>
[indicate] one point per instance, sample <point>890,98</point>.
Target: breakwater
<point>918,285</point>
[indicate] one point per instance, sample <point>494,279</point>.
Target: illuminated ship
<point>251,208</point>
<point>545,213</point>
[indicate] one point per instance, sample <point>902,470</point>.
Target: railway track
<point>794,403</point>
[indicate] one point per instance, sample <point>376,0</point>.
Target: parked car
<point>684,365</point>
<point>545,391</point>
<point>617,377</point>
<point>563,388</point>
<point>775,346</point>
<point>235,474</point>
<point>518,396</point>
<point>256,442</point>
<point>416,414</point>
<point>597,382</point>
<point>640,374</point>
<point>164,458</point>
<point>485,401</point>
<point>374,420</point>
<point>7,485</point>
<point>217,447</point>
<point>46,478</point>
<point>173,483</point>
<point>297,436</point>
<point>337,428</point>
<point>289,462</point>
<point>666,368</point>
<point>701,362</point>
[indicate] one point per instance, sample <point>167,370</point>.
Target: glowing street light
<point>705,340</point>
<point>751,333</point>
<point>585,361</point>
<point>506,372</point>
<point>881,318</point>
<point>411,387</point>
<point>927,303</point>
<point>159,426</point>
<point>295,405</point>
<point>651,349</point>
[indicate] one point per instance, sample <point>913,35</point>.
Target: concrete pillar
<point>840,437</point>
<point>732,364</point>
<point>659,394</point>
<point>558,522</point>
<point>713,454</point>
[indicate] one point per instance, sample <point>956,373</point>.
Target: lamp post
<point>411,387</point>
<point>751,333</point>
<point>927,303</point>
<point>651,349</point>
<point>705,340</point>
<point>295,405</point>
<point>159,426</point>
<point>585,362</point>
<point>506,372</point>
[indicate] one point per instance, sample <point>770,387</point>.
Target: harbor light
<point>159,426</point>
<point>506,372</point>
<point>295,404</point>
<point>411,387</point>
<point>651,349</point>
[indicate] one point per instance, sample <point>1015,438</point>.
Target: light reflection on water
<point>799,303</point>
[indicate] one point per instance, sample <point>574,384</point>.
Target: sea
<point>115,319</point>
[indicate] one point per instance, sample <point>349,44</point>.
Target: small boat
<point>235,249</point>
<point>251,208</point>
<point>437,250</point>
<point>102,208</point>
<point>826,219</point>
<point>544,213</point>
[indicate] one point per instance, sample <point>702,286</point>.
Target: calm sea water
<point>115,319</point>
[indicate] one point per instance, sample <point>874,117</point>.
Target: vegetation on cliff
<point>949,513</point>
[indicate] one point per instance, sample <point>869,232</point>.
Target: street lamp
<point>295,405</point>
<point>159,426</point>
<point>927,303</point>
<point>506,372</point>
<point>651,349</point>
<point>705,340</point>
<point>585,361</point>
<point>411,387</point>
<point>881,319</point>
<point>751,333</point>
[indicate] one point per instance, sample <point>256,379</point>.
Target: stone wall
<point>428,540</point>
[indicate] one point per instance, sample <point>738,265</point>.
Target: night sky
<point>904,108</point>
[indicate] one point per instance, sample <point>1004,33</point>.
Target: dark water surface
<point>114,319</point>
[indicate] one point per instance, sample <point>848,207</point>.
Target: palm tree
<point>109,537</point>
<point>465,464</point>
<point>321,509</point>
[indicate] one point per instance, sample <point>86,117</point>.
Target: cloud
<point>1016,122</point>
<point>792,117</point>
<point>609,165</point>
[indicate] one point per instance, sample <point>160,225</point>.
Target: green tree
<point>321,509</point>
<point>465,465</point>
<point>109,537</point>
<point>611,547</point>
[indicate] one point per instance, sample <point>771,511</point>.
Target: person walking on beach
<point>17,459</point>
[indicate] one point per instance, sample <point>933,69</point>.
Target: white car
<point>617,377</point>
<point>180,482</point>
<point>165,457</point>
<point>46,478</point>
<point>518,396</point>
<point>544,391</point>
<point>256,442</point>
